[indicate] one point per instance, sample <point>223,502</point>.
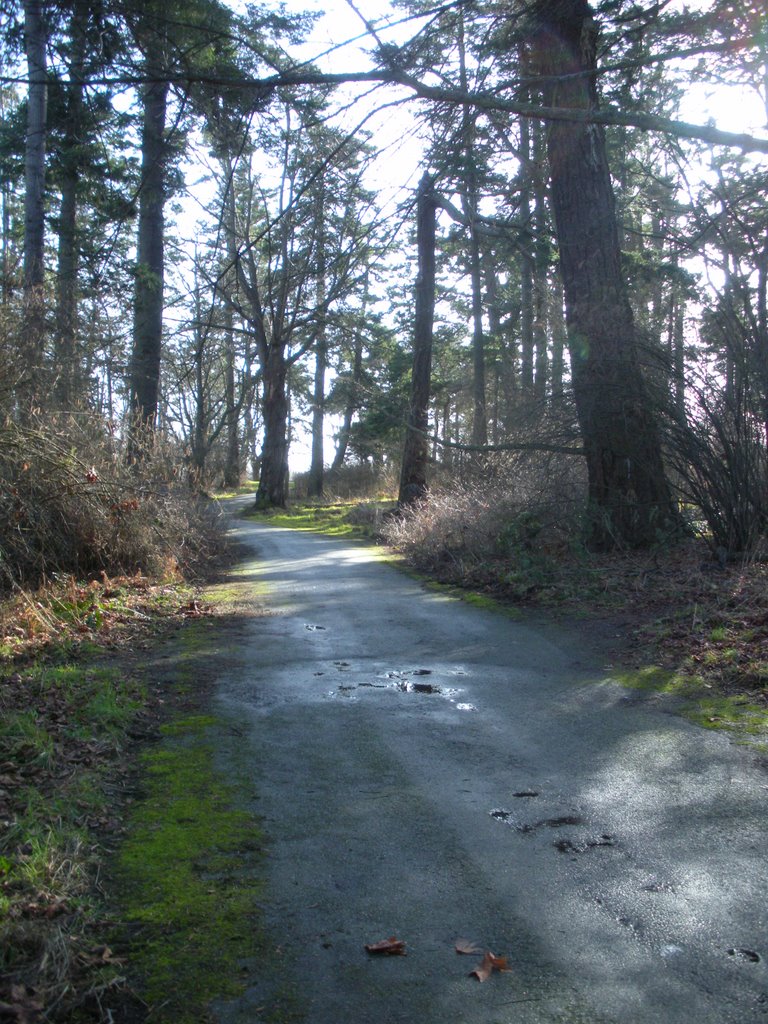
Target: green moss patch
<point>745,718</point>
<point>340,519</point>
<point>188,875</point>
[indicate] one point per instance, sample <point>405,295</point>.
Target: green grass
<point>744,719</point>
<point>188,876</point>
<point>341,519</point>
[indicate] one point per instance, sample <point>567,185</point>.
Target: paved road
<point>433,771</point>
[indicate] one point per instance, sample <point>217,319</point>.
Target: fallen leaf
<point>488,965</point>
<point>467,946</point>
<point>387,947</point>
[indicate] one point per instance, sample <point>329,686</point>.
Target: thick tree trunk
<point>273,477</point>
<point>353,397</point>
<point>232,462</point>
<point>33,328</point>
<point>413,474</point>
<point>69,370</point>
<point>629,498</point>
<point>315,483</point>
<point>148,310</point>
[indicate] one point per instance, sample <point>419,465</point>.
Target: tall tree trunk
<point>67,361</point>
<point>629,497</point>
<point>351,406</point>
<point>526,267</point>
<point>557,322</point>
<point>353,397</point>
<point>144,379</point>
<point>232,461</point>
<point>540,269</point>
<point>5,239</point>
<point>413,474</point>
<point>470,202</point>
<point>33,327</point>
<point>273,478</point>
<point>317,463</point>
<point>315,483</point>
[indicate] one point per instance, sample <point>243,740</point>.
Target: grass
<point>188,876</point>
<point>62,725</point>
<point>348,519</point>
<point>70,696</point>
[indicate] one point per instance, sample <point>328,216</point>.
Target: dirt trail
<point>434,771</point>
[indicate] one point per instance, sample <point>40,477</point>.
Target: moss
<point>735,713</point>
<point>188,875</point>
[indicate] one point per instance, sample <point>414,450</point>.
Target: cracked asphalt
<point>435,771</point>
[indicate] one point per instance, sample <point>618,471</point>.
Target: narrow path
<point>433,771</point>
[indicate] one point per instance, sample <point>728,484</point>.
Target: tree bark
<point>413,474</point>
<point>629,498</point>
<point>148,308</point>
<point>273,478</point>
<point>315,482</point>
<point>232,462</point>
<point>33,326</point>
<point>67,363</point>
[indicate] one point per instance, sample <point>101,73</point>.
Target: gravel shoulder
<point>435,771</point>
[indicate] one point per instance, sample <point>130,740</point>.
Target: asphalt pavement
<point>436,772</point>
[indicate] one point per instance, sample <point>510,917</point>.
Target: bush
<point>523,512</point>
<point>70,505</point>
<point>355,480</point>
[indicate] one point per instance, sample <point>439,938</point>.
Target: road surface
<point>433,771</point>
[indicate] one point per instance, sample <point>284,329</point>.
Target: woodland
<point>484,261</point>
<point>563,317</point>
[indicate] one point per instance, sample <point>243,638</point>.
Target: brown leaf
<point>488,965</point>
<point>387,947</point>
<point>467,946</point>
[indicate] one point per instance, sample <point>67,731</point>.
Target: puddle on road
<point>402,681</point>
<point>571,846</point>
<point>562,821</point>
<point>533,826</point>
<point>745,955</point>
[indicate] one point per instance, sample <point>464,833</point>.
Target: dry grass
<point>70,505</point>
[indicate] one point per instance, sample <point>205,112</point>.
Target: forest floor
<point>96,677</point>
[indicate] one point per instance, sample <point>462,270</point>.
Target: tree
<point>630,501</point>
<point>35,38</point>
<point>413,473</point>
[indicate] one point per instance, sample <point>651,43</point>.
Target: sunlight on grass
<point>736,713</point>
<point>350,519</point>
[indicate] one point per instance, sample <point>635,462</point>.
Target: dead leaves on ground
<point>490,962</point>
<point>488,965</point>
<point>387,947</point>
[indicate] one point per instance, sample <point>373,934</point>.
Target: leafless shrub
<point>521,508</point>
<point>69,504</point>
<point>720,460</point>
<point>355,480</point>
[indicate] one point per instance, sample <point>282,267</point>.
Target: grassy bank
<point>128,874</point>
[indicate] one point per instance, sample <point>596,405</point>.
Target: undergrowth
<point>70,711</point>
<point>71,504</point>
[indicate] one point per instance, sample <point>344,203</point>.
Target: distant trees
<point>565,297</point>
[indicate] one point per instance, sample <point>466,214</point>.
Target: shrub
<point>70,505</point>
<point>521,512</point>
